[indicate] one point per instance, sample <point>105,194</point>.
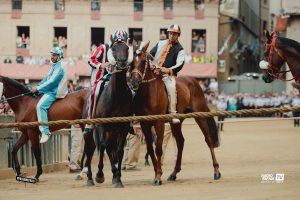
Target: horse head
<point>140,61</point>
<point>10,87</point>
<point>274,58</point>
<point>120,54</point>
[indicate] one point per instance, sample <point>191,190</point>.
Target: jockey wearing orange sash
<point>169,59</point>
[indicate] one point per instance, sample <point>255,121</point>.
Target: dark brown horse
<point>114,101</point>
<point>151,99</point>
<point>24,107</point>
<point>278,51</point>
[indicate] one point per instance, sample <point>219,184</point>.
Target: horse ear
<point>146,46</point>
<point>134,45</point>
<point>111,39</point>
<point>268,36</point>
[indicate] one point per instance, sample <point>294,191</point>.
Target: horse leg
<point>100,175</point>
<point>89,148</point>
<point>159,129</point>
<point>83,169</point>
<point>120,152</point>
<point>210,132</point>
<point>177,133</point>
<point>33,136</point>
<point>146,128</point>
<point>21,141</point>
<point>147,159</point>
<point>111,150</point>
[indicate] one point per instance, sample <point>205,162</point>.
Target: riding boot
<point>88,129</point>
<point>45,137</point>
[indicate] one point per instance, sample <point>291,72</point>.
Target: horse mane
<point>290,42</point>
<point>15,84</point>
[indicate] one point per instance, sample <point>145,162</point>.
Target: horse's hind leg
<point>89,148</point>
<point>210,132</point>
<point>177,133</point>
<point>21,141</point>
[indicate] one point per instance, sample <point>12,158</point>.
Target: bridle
<point>116,64</point>
<point>272,69</point>
<point>142,74</point>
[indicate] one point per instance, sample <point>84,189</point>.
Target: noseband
<point>142,74</point>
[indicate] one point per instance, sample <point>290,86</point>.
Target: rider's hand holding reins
<point>162,71</point>
<point>33,90</point>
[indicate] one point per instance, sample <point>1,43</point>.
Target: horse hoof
<point>90,183</point>
<point>217,176</point>
<point>147,163</point>
<point>78,177</point>
<point>156,182</point>
<point>37,179</point>
<point>100,179</point>
<point>118,185</point>
<point>172,178</point>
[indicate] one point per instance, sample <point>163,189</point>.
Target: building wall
<point>39,15</point>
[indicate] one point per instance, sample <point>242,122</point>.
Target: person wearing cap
<point>99,73</point>
<point>168,57</point>
<point>53,86</point>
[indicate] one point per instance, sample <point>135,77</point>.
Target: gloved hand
<point>91,65</point>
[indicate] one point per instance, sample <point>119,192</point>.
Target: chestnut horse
<point>24,107</point>
<point>151,99</point>
<point>278,51</point>
<point>114,101</point>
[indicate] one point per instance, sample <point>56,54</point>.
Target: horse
<point>114,101</point>
<point>278,51</point>
<point>24,105</point>
<point>151,99</point>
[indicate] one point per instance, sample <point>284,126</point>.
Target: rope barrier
<point>166,117</point>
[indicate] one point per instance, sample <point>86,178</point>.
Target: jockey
<point>99,73</point>
<point>169,59</point>
<point>53,86</point>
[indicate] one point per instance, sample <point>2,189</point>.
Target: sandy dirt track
<point>247,150</point>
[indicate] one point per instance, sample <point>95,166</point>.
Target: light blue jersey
<point>55,83</point>
<point>53,86</point>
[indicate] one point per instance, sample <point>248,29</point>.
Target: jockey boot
<point>45,137</point>
<point>88,130</point>
<point>175,120</point>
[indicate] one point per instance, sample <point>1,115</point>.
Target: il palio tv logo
<point>272,178</point>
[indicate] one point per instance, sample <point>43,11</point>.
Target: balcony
<point>95,15</point>
<point>16,14</point>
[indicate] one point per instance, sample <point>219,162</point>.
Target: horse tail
<point>213,131</point>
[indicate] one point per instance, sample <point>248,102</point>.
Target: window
<point>136,34</point>
<point>163,34</point>
<point>60,37</point>
<point>16,4</point>
<point>23,37</point>
<point>138,5</point>
<point>199,5</point>
<point>265,25</point>
<point>97,37</point>
<point>198,41</point>
<point>59,5</point>
<point>95,5</point>
<point>168,5</point>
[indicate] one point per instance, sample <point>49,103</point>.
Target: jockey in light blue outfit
<point>53,86</point>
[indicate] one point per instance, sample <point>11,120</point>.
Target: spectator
<point>7,60</point>
<point>132,149</point>
<point>20,59</point>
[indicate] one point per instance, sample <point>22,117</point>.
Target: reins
<point>14,97</point>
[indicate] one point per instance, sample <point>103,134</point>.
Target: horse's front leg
<point>177,133</point>
<point>100,175</point>
<point>21,141</point>
<point>89,148</point>
<point>159,129</point>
